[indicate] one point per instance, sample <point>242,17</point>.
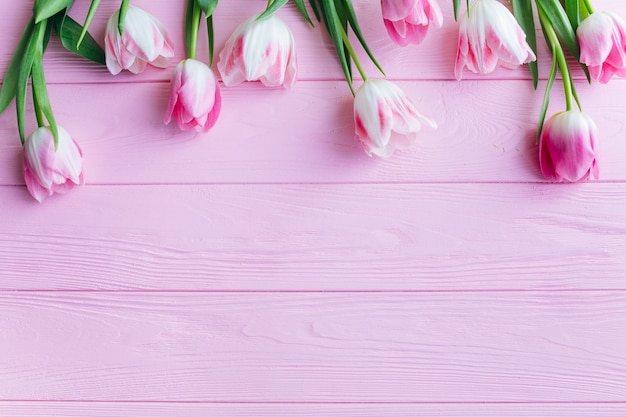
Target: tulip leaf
<point>523,11</point>
<point>562,26</point>
<point>207,6</point>
<point>573,13</point>
<point>334,28</point>
<point>34,43</point>
<point>92,10</point>
<point>69,32</point>
<point>457,6</point>
<point>302,9</point>
<point>546,98</point>
<point>272,8</point>
<point>211,33</point>
<point>45,9</point>
<point>10,82</point>
<point>341,12</point>
<point>316,11</point>
<point>354,24</point>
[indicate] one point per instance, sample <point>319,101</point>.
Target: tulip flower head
<point>490,37</point>
<point>143,41</point>
<point>407,21</point>
<point>602,38</point>
<point>385,118</point>
<point>568,147</point>
<point>195,99</point>
<point>48,171</point>
<point>259,50</point>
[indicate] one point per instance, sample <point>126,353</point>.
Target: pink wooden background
<point>270,268</point>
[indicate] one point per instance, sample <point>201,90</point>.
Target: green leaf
<point>557,16</point>
<point>35,42</point>
<point>207,6</point>
<point>211,33</point>
<point>523,11</point>
<point>271,9</point>
<point>333,24</point>
<point>69,32</point>
<point>90,14</point>
<point>573,13</point>
<point>9,84</point>
<point>457,6</point>
<point>354,24</point>
<point>45,9</point>
<point>316,10</point>
<point>302,9</point>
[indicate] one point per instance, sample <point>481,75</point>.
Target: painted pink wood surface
<point>411,237</point>
<point>142,409</point>
<point>317,347</point>
<point>270,268</point>
<point>483,135</point>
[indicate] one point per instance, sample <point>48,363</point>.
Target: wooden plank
<point>434,59</point>
<point>486,133</point>
<point>82,409</point>
<point>315,347</point>
<point>407,237</point>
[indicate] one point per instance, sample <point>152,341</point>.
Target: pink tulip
<point>568,147</point>
<point>48,171</point>
<point>143,41</point>
<point>259,50</point>
<point>407,21</point>
<point>195,100</point>
<point>490,37</point>
<point>385,118</point>
<point>602,38</point>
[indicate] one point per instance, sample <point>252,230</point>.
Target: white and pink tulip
<point>489,37</point>
<point>602,39</point>
<point>144,41</point>
<point>195,100</point>
<point>48,170</point>
<point>385,118</point>
<point>568,147</point>
<point>408,21</point>
<point>259,50</point>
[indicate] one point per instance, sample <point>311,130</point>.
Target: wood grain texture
<point>430,237</point>
<point>270,268</point>
<point>317,347</point>
<point>433,59</point>
<point>90,409</point>
<point>486,134</point>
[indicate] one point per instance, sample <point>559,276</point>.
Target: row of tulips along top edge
<point>492,34</point>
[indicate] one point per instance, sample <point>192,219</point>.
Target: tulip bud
<point>48,171</point>
<point>195,99</point>
<point>407,21</point>
<point>259,50</point>
<point>602,39</point>
<point>144,41</point>
<point>568,147</point>
<point>385,118</point>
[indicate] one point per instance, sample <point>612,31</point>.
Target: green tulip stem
<point>38,111</point>
<point>122,16</point>
<point>195,28</point>
<point>350,49</point>
<point>557,50</point>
